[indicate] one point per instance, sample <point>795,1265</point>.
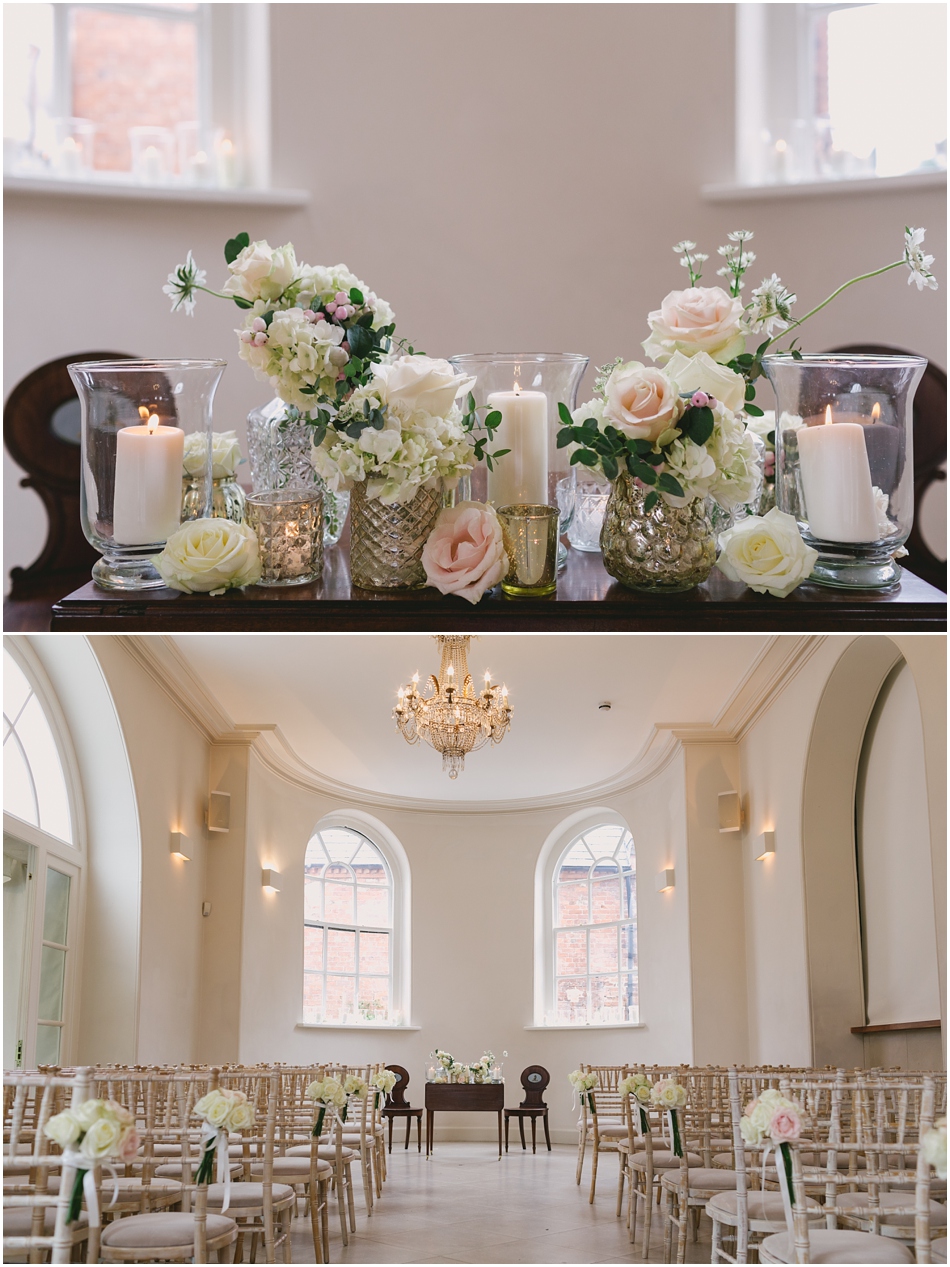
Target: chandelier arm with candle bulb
<point>452,718</point>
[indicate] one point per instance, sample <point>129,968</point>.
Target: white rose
<point>241,1116</point>
<point>103,1138</point>
<point>698,319</point>
<point>225,453</point>
<point>422,382</point>
<point>700,373</point>
<point>640,401</point>
<point>63,1129</point>
<point>261,272</point>
<point>763,427</point>
<point>768,554</point>
<point>209,556</point>
<point>87,1113</point>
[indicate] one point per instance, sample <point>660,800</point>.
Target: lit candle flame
<point>153,421</point>
<point>144,412</point>
<point>415,679</point>
<point>876,413</point>
<point>828,418</point>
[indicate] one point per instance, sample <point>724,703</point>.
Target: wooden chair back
<point>397,1097</point>
<point>535,1080</point>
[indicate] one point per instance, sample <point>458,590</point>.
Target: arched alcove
<point>832,908</point>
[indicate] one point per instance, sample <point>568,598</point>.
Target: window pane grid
<point>595,947</point>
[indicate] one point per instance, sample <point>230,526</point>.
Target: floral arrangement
<point>210,556</point>
<point>327,1092</point>
<point>313,332</point>
<point>384,1081</point>
<point>400,431</point>
<point>355,1085</point>
<point>583,1084</point>
<point>220,1111</point>
<point>934,1146</point>
<point>480,1071</point>
<point>667,1093</point>
<point>686,430</point>
<point>465,554</point>
<point>225,454</point>
<point>767,553</point>
<point>639,1086</point>
<point>773,1116</point>
<point>88,1134</point>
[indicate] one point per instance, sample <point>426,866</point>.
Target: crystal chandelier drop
<point>452,718</point>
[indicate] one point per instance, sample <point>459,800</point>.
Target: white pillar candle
<point>836,481</point>
<point>521,476</point>
<point>148,473</point>
<point>226,164</point>
<point>70,157</point>
<point>151,166</point>
<point>199,166</point>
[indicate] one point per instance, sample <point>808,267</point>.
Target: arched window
<point>33,780</point>
<point>594,923</point>
<point>348,930</point>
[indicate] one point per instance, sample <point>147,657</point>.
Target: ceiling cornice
<point>770,672</point>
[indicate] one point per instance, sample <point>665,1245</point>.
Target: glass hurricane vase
<point>665,549</point>
<point>386,541</point>
<point>844,463</point>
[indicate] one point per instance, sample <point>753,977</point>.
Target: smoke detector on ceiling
<point>605,706</point>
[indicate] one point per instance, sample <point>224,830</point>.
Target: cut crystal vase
<point>386,541</point>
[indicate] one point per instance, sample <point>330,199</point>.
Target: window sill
<point>355,1028</point>
<point>585,1028</point>
<point>121,192</point>
<point>823,188</point>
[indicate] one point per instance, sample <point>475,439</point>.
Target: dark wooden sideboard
<point>462,1097</point>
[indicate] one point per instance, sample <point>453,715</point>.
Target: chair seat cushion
<point>663,1159</point>
<point>703,1178</point>
<point>838,1246</point>
<point>244,1195</point>
<point>326,1152</point>
<point>762,1206</point>
<point>753,1164</point>
<point>892,1200</point>
<point>146,1231</point>
<point>172,1169</point>
<point>289,1169</point>
<point>938,1250</point>
<point>18,1220</point>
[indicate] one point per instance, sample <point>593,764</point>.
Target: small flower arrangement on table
<point>447,1068</point>
<point>89,1134</point>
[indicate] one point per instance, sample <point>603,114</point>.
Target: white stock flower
<point>182,284</point>
<point>771,306</point>
<point>767,554</point>
<point>916,260</point>
<point>225,453</point>
<point>700,373</point>
<point>261,272</point>
<point>698,319</point>
<point>209,556</point>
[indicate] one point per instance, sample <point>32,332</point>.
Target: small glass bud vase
<point>227,499</point>
<point>386,541</point>
<point>844,463</point>
<point>665,550</point>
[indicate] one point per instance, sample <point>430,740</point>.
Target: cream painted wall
<point>504,174</point>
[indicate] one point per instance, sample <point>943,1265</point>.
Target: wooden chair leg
<point>547,1133</point>
<point>507,1124</point>
<point>534,1132</point>
<point>621,1178</point>
<point>419,1132</point>
<point>521,1131</point>
<point>350,1200</point>
<point>581,1149</point>
<point>391,1119</point>
<point>408,1131</point>
<point>595,1156</point>
<point>647,1217</point>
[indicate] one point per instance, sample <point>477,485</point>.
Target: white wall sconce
<point>665,880</point>
<point>179,847</point>
<point>270,880</point>
<point>730,811</point>
<point>766,843</point>
<point>219,811</point>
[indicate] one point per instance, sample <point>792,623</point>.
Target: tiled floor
<point>466,1206</point>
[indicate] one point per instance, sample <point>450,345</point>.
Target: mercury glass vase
<point>665,549</point>
<point>844,462</point>
<point>386,541</point>
<point>227,499</point>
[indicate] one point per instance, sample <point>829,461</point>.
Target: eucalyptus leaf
<point>668,484</point>
<point>754,411</point>
<point>585,456</point>
<point>242,303</point>
<point>564,438</point>
<point>611,469</point>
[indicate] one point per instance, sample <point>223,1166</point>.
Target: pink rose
<point>699,319</point>
<point>641,402</point>
<point>129,1146</point>
<point>464,554</point>
<point>786,1124</point>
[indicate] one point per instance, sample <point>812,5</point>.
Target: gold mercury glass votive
<point>289,528</point>
<point>530,534</point>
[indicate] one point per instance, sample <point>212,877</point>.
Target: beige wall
<point>506,175</point>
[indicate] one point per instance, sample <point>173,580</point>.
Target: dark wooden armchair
<point>930,456</point>
<point>41,433</point>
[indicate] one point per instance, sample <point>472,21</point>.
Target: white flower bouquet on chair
<point>221,1111</point>
<point>583,1084</point>
<point>327,1093</point>
<point>772,1116</point>
<point>640,1087</point>
<point>668,1094</point>
<point>89,1134</point>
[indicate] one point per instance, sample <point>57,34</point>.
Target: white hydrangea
<point>738,474</point>
<point>293,353</point>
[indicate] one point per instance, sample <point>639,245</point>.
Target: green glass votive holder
<point>530,535</point>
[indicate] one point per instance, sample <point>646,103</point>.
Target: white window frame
<point>397,864</point>
<point>48,851</point>
<point>549,858</point>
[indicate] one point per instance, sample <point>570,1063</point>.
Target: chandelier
<point>452,718</point>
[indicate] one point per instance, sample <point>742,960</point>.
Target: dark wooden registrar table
<point>462,1097</point>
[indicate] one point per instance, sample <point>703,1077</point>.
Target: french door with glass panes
<point>40,942</point>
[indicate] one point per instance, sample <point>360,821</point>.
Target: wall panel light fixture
<point>179,847</point>
<point>665,880</point>
<point>766,844</point>
<point>270,880</point>
<point>730,811</point>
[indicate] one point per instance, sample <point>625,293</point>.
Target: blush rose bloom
<point>785,1125</point>
<point>641,401</point>
<point>129,1146</point>
<point>261,272</point>
<point>209,556</point>
<point>698,319</point>
<point>465,554</point>
<point>767,553</point>
<point>424,383</point>
<point>700,373</point>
